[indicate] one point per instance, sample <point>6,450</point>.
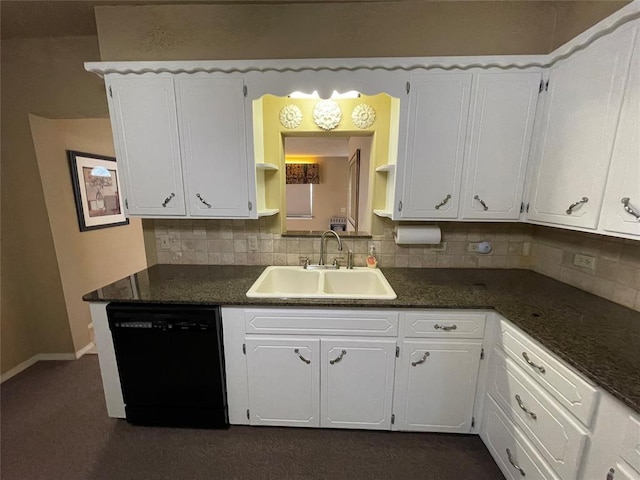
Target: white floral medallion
<point>363,116</point>
<point>327,114</point>
<point>290,116</point>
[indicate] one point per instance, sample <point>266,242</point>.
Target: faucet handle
<point>349,259</point>
<point>335,263</point>
<point>304,261</point>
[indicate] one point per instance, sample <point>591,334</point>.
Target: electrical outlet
<point>585,261</point>
<point>164,242</point>
<point>253,243</point>
<point>479,247</point>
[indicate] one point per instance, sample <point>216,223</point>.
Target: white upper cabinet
<point>145,130</point>
<point>438,111</point>
<point>212,129</point>
<point>578,128</point>
<point>182,137</point>
<point>621,207</point>
<point>503,110</point>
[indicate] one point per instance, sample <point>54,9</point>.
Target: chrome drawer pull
<point>484,205</point>
<point>443,202</point>
<point>338,358</point>
<point>168,199</point>
<point>575,204</point>
<point>422,359</point>
<point>626,201</point>
<point>514,463</point>
<point>297,351</point>
<point>203,200</point>
<point>526,410</point>
<point>539,367</point>
<point>445,328</point>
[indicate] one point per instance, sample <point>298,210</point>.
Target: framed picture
<point>354,190</point>
<point>96,186</point>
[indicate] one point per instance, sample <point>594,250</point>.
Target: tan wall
<point>329,196</point>
<point>43,76</point>
<point>87,260</point>
<point>321,30</point>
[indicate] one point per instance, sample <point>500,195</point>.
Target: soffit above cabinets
<point>565,19</point>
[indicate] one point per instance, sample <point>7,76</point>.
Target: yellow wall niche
<point>269,136</point>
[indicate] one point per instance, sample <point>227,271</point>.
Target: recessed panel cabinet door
<point>436,385</point>
<point>283,378</point>
<point>503,109</point>
<point>145,128</point>
<point>357,383</point>
<point>621,208</point>
<point>212,128</point>
<point>438,111</point>
<point>579,125</point>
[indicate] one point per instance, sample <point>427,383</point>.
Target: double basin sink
<point>297,282</point>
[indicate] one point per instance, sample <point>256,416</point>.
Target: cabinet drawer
<point>509,446</point>
<point>557,436</point>
<point>321,322</point>
<point>631,443</point>
<point>574,393</point>
<point>455,324</point>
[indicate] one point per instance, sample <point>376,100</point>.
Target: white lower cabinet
<point>511,450</point>
<point>559,439</point>
<point>356,383</point>
<point>436,385</point>
<point>318,382</point>
<point>342,368</point>
<point>283,376</point>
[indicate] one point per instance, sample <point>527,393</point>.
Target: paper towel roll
<point>418,234</point>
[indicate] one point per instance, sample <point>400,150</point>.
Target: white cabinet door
<point>438,111</point>
<point>284,378</point>
<point>145,128</point>
<point>436,385</point>
<point>214,153</point>
<point>357,383</point>
<point>501,124</point>
<point>579,125</point>
<point>621,208</point>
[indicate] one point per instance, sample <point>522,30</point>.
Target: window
<point>299,200</point>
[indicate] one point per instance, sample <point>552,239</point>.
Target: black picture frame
<point>96,188</point>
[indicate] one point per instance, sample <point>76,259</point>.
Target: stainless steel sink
<point>296,282</point>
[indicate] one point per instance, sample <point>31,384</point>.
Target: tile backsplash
<point>549,251</point>
<point>615,274</point>
<point>247,242</point>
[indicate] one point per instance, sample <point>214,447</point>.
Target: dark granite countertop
<point>599,338</point>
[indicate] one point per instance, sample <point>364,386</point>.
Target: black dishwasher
<point>171,364</point>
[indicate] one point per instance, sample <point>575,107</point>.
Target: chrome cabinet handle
<point>526,359</point>
<point>575,204</point>
<point>168,199</point>
<point>445,327</point>
<point>203,200</point>
<point>338,358</point>
<point>297,351</point>
<point>484,205</point>
<point>626,201</point>
<point>515,465</point>
<point>443,202</point>
<point>526,410</point>
<point>422,359</point>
